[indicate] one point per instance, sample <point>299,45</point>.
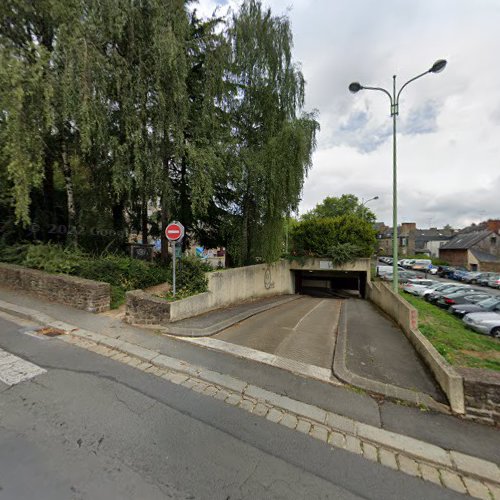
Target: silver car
<point>487,323</point>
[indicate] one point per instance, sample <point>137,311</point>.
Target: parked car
<point>433,297</point>
<point>484,278</point>
<point>413,285</point>
<point>445,271</point>
<point>494,281</point>
<point>439,288</point>
<point>421,291</point>
<point>487,323</point>
<point>406,263</point>
<point>433,270</point>
<point>470,277</point>
<point>458,274</point>
<point>381,270</point>
<point>475,277</point>
<point>460,297</point>
<point>421,264</point>
<point>489,304</point>
<point>403,276</point>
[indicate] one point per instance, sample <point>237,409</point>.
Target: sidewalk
<point>442,430</point>
<point>374,354</point>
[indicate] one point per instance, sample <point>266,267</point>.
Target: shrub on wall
<point>341,239</point>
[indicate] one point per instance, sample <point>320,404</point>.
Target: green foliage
<point>190,277</point>
<point>111,107</point>
<point>347,204</point>
<point>121,272</point>
<point>341,239</point>
<point>448,334</point>
<point>53,258</point>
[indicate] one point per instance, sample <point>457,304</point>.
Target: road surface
<point>92,428</point>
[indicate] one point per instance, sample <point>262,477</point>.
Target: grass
<point>456,343</point>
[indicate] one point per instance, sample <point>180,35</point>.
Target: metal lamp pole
<point>354,87</point>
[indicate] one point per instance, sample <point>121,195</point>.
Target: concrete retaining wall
<point>406,317</point>
<point>225,287</point>
<point>358,265</point>
<point>89,295</point>
<point>482,395</point>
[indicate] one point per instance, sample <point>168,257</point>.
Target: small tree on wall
<point>341,239</point>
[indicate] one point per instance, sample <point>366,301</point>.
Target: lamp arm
<point>381,90</point>
<point>409,81</point>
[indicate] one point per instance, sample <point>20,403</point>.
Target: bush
<point>341,239</point>
<point>190,277</point>
<point>52,258</point>
<point>121,272</point>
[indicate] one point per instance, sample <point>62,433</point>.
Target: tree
<point>340,238</point>
<point>272,147</point>
<point>347,204</point>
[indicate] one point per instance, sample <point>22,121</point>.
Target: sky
<point>448,140</point>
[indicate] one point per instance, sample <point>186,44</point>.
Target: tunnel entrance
<point>330,283</point>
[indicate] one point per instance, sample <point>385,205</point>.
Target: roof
<point>464,241</point>
<point>484,256</point>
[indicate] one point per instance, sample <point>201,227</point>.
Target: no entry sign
<point>174,231</point>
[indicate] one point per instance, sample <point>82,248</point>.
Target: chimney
<point>493,225</point>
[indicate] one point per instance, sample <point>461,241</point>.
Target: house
<point>413,241</point>
<point>429,241</point>
<point>406,239</point>
<point>476,248</point>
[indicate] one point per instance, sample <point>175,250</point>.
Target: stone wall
<point>145,309</point>
<point>93,296</point>
<point>482,395</point>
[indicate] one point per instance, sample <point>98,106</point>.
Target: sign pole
<point>174,232</point>
<point>174,244</point>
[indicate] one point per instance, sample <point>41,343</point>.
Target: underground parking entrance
<point>336,284</point>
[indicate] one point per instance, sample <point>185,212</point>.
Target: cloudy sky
<point>449,123</point>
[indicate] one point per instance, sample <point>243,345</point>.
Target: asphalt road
<point>92,428</point>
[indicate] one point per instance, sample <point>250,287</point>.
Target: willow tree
<point>274,140</point>
<point>26,91</point>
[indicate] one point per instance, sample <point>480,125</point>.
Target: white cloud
<point>449,149</point>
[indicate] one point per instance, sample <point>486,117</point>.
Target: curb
<point>341,371</point>
<point>324,425</point>
<point>222,325</point>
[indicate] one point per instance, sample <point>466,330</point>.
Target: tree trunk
<point>165,216</point>
<point>68,181</point>
<point>144,220</point>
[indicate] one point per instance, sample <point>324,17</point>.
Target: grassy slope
<point>458,345</point>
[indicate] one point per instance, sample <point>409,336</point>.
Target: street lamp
<point>363,203</point>
<point>354,87</point>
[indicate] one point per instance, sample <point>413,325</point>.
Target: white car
<point>417,285</point>
<point>487,323</point>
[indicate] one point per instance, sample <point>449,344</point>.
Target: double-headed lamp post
<point>354,87</point>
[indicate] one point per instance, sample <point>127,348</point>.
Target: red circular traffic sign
<point>174,231</point>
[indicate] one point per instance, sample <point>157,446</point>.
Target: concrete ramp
<point>377,349</point>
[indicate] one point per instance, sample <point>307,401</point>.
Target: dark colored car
<point>445,271</point>
<point>458,274</point>
<point>460,297</point>
<point>433,297</point>
<point>491,304</point>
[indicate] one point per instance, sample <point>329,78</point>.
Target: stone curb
<point>421,450</point>
<point>208,331</point>
<point>242,352</point>
<point>455,461</point>
<point>391,391</point>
